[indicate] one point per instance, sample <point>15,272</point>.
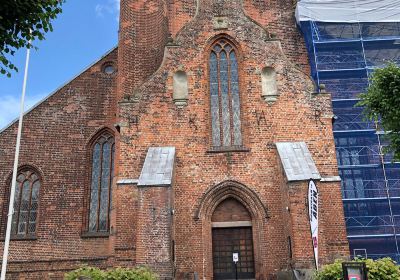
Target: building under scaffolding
<point>346,41</point>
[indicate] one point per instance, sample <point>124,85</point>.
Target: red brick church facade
<point>164,152</point>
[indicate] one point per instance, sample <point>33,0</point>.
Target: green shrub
<point>140,273</point>
<point>382,269</point>
<point>92,273</point>
<point>330,271</point>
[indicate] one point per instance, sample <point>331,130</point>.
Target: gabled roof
<point>59,88</point>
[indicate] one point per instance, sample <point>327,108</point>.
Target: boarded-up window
<point>181,93</point>
<point>269,87</point>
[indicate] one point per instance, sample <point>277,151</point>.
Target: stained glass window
<point>25,203</point>
<point>224,95</point>
<point>101,182</point>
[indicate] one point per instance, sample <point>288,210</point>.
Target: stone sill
<point>233,149</point>
<point>20,238</point>
<point>95,235</point>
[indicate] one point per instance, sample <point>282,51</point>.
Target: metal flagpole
<point>14,176</point>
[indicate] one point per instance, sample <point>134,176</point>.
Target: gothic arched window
<point>101,182</point>
<point>26,202</point>
<point>224,92</point>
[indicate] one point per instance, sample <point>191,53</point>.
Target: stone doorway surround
<point>258,216</point>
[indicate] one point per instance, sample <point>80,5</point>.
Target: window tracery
<point>224,95</point>
<point>102,171</point>
<point>26,202</point>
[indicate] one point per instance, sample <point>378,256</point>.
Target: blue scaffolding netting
<point>343,51</point>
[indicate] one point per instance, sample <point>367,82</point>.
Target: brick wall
<point>150,118</point>
<point>154,226</point>
<point>275,16</point>
<point>142,36</point>
<point>230,210</point>
<point>139,99</point>
<point>55,140</point>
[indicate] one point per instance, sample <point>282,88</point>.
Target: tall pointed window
<point>101,181</point>
<point>224,91</point>
<point>25,203</point>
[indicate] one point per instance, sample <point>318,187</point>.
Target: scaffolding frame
<point>342,57</point>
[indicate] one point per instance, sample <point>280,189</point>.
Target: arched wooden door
<point>232,234</point>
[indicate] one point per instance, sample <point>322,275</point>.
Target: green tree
<point>382,102</point>
<point>22,21</point>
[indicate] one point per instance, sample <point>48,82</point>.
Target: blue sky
<point>83,32</point>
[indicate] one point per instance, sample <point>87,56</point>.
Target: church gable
<point>171,161</point>
<point>236,94</point>
<point>55,139</point>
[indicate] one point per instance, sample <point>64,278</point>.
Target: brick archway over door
<point>245,196</point>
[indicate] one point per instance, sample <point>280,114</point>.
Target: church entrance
<point>232,235</point>
<point>226,242</point>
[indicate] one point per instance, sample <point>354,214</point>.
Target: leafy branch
<point>22,22</point>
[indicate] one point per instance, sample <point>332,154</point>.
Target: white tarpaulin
<point>348,10</point>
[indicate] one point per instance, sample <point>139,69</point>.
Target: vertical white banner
<point>313,216</point>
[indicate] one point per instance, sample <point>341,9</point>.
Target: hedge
<point>93,273</point>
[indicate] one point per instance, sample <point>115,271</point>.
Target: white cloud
<point>99,10</point>
<point>109,7</point>
<point>10,105</point>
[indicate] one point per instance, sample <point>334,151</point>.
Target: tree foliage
<point>382,269</point>
<point>382,103</point>
<point>22,21</point>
